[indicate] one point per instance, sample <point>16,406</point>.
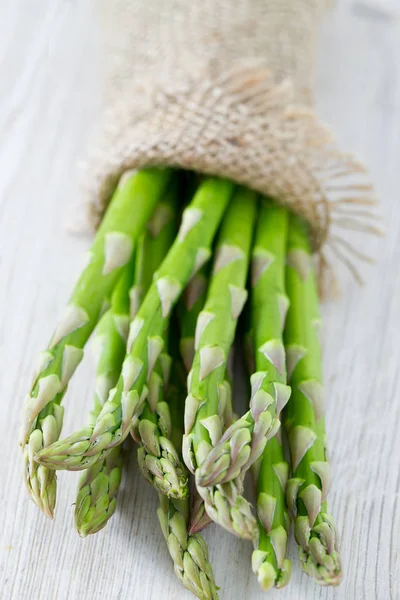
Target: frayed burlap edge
<point>243,126</point>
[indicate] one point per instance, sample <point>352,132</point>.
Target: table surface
<point>49,89</point>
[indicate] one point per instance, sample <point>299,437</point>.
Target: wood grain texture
<point>49,97</point>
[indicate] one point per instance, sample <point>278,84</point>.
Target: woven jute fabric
<point>222,87</point>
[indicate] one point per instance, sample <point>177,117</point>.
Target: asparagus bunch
<point>207,388</point>
<point>188,551</point>
<point>129,211</point>
<point>134,394</point>
<point>268,304</point>
<point>314,528</point>
<point>190,251</point>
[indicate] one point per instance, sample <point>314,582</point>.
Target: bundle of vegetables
<point>165,284</point>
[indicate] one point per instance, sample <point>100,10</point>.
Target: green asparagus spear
<point>189,252</point>
<point>189,308</point>
<point>129,211</point>
<point>267,320</point>
<point>215,332</point>
<point>159,459</point>
<point>189,552</point>
<point>99,485</point>
<point>314,528</point>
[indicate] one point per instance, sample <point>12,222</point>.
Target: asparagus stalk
<point>99,485</point>
<point>189,552</point>
<point>194,300</point>
<point>269,561</point>
<point>129,211</point>
<point>158,457</point>
<point>267,320</point>
<point>190,306</point>
<point>314,528</point>
<point>215,332</point>
<point>189,252</point>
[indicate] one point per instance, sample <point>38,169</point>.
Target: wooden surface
<point>49,83</point>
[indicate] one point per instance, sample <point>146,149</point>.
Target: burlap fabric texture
<point>225,87</point>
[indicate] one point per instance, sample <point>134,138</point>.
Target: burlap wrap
<point>223,87</point>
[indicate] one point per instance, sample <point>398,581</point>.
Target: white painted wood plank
<point>49,87</point>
